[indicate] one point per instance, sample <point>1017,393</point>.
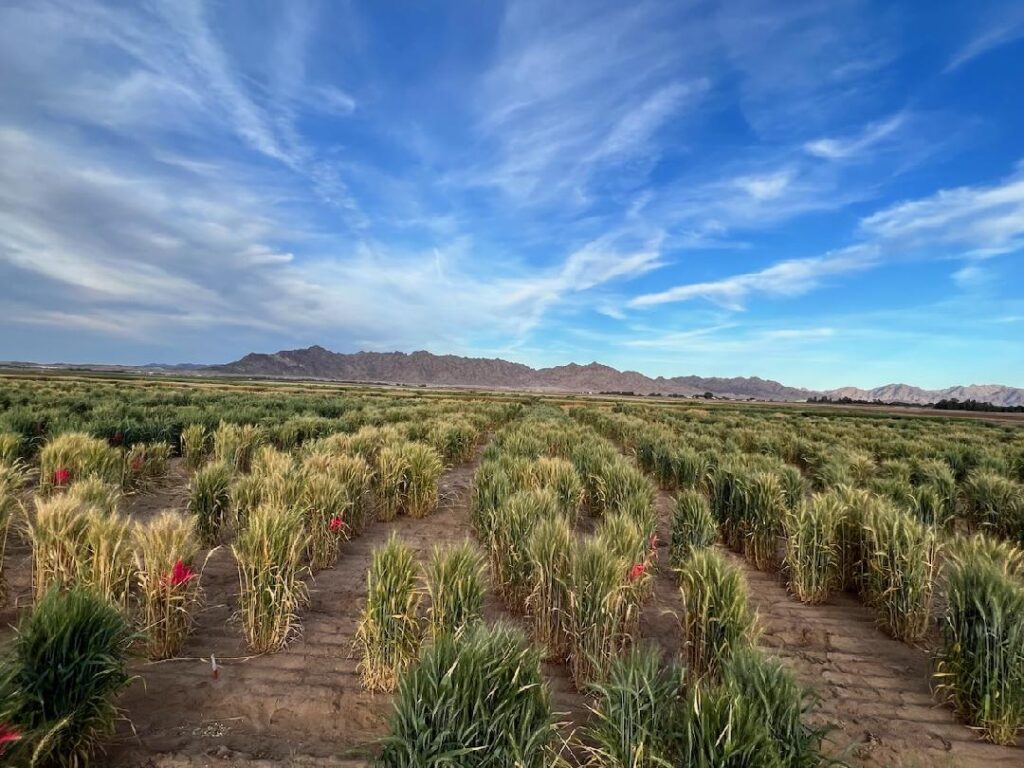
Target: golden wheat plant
<point>195,446</point>
<point>57,532</point>
<point>717,618</point>
<point>325,505</point>
<point>551,550</point>
<point>169,589</point>
<point>598,612</point>
<point>269,552</point>
<point>391,478</point>
<point>356,477</point>
<point>902,558</point>
<point>108,567</point>
<point>96,493</point>
<point>693,526</point>
<point>145,464</point>
<point>388,635</point>
<point>76,456</point>
<point>235,445</point>
<point>11,446</point>
<point>813,557</point>
<point>13,477</point>
<point>455,583</point>
<point>425,469</point>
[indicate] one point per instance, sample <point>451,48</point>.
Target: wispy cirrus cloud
<point>784,279</point>
<point>1000,23</point>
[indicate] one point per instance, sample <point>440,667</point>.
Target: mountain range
<point>451,370</point>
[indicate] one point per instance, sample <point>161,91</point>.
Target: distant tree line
<point>974,405</point>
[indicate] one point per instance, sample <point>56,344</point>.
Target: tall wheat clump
<point>388,636</point>
<point>902,557</point>
<point>693,526</point>
<point>169,590</point>
<point>391,478</point>
<point>717,618</point>
<point>210,499</point>
<point>57,532</point>
<point>511,526</point>
<point>13,477</point>
<point>767,506</point>
<point>269,552</point>
<point>108,566</point>
<point>76,456</point>
<point>96,493</point>
<point>980,666</point>
<point>195,446</point>
<point>560,477</point>
<point>455,583</point>
<point>551,551</point>
<point>597,614</point>
<point>425,468</point>
<point>813,548</point>
<point>325,505</point>
<point>235,445</point>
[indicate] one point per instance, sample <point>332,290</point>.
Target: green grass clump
<point>455,583</point>
<point>980,666</point>
<point>388,636</point>
<point>634,713</point>
<point>269,552</point>
<point>717,618</point>
<point>476,700</point>
<point>693,526</point>
<point>753,718</point>
<point>995,504</point>
<point>60,679</point>
<point>813,547</point>
<point>209,499</point>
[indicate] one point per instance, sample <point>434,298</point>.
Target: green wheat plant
<point>60,679</point>
<point>813,548</point>
<point>474,700</point>
<point>551,550</point>
<point>209,500</point>
<point>902,557</point>
<point>717,618</point>
<point>980,667</point>
<point>455,584</point>
<point>693,526</point>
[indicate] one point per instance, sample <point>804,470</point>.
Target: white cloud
<point>873,134</point>
<point>1001,24</point>
<point>986,220</point>
<point>784,279</point>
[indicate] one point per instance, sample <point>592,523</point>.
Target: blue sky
<point>825,193</point>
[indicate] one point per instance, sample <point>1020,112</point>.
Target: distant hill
<point>426,368</point>
<point>996,394</point>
